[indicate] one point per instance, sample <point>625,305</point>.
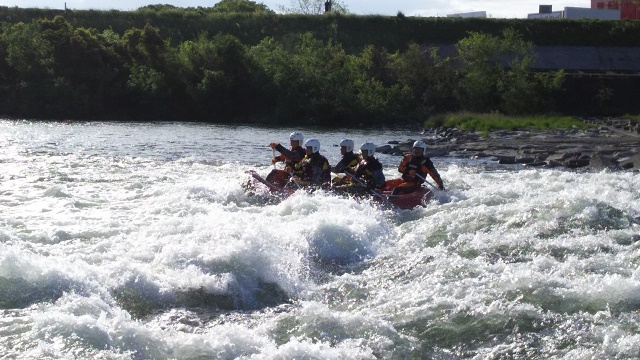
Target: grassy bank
<point>632,117</point>
<point>490,122</point>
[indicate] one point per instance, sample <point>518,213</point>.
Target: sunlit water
<point>137,241</point>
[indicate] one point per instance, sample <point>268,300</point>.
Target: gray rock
<point>594,148</point>
<point>576,163</point>
<point>602,162</point>
<point>631,163</point>
<point>435,152</point>
<point>525,159</point>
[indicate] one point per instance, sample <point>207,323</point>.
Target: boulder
<point>630,163</point>
<point>576,163</point>
<point>602,162</point>
<point>436,151</point>
<point>504,156</point>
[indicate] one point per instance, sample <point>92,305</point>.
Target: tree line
<point>50,69</point>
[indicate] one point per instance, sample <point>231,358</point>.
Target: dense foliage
<point>52,69</point>
<point>197,66</point>
<point>251,24</point>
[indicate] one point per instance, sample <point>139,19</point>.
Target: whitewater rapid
<point>138,241</point>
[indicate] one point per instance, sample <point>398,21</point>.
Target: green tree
<point>29,58</point>
<point>158,7</point>
<point>380,95</point>
<point>495,75</point>
<point>317,82</point>
<point>152,73</point>
<point>86,68</point>
<point>240,6</point>
<point>430,78</point>
<point>217,74</point>
<point>28,52</point>
<point>480,68</point>
<point>313,81</point>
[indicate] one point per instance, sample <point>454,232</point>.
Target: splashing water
<point>138,241</point>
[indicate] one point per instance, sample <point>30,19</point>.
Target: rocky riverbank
<point>612,144</point>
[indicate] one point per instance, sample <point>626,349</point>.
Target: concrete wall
<point>589,59</point>
<point>586,13</point>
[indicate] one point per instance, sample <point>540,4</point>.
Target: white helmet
<point>369,147</point>
<point>314,144</point>
<point>348,144</point>
<point>297,136</point>
<point>420,144</point>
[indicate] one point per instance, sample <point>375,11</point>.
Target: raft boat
<point>281,186</point>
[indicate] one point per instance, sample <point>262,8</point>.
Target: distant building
<point>586,13</point>
<point>576,13</point>
<point>475,14</point>
<point>628,10</point>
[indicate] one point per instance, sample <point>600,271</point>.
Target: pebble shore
<point>609,144</point>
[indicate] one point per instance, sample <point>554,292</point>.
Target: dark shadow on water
<point>20,294</point>
<point>139,304</point>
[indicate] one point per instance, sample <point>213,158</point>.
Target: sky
<point>494,8</point>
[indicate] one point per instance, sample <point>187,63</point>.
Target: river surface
<point>137,241</point>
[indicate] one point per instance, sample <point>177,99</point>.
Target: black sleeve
<point>339,166</point>
<point>293,155</point>
<point>433,172</point>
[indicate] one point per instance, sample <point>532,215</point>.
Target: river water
<point>137,241</point>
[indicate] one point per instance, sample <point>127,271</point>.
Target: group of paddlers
<point>356,172</point>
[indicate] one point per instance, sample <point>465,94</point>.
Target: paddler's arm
<point>292,155</point>
<point>428,168</point>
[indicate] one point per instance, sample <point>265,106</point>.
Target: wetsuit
<point>349,162</point>
<point>315,170</point>
<point>370,171</point>
<point>422,165</point>
<point>290,157</point>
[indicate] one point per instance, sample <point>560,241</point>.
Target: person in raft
<point>290,157</point>
<point>314,169</point>
<point>348,163</point>
<point>370,169</point>
<point>414,167</point>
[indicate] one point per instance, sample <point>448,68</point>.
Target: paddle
<point>428,183</point>
<point>292,178</point>
<point>271,186</point>
<point>372,191</point>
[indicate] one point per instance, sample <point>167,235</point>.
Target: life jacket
<point>422,166</point>
<point>348,163</point>
<point>370,171</point>
<point>291,157</point>
<point>410,162</point>
<point>315,170</point>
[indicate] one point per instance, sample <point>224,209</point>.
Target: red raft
<point>277,184</point>
<point>420,197</point>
